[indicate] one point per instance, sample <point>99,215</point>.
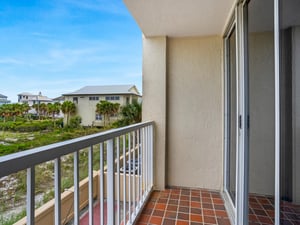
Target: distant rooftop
<point>106,90</point>
<point>3,96</point>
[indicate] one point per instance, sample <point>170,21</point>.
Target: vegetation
<point>69,109</point>
<point>131,113</point>
<point>107,109</point>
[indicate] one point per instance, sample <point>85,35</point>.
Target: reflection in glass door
<point>231,111</point>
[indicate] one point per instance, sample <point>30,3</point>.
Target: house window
<point>112,98</point>
<point>75,99</point>
<point>94,98</point>
<point>98,117</point>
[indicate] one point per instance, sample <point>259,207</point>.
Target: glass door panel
<point>231,120</point>
<point>261,111</point>
<point>290,112</point>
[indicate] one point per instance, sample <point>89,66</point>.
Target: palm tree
<point>68,108</point>
<point>25,109</point>
<point>132,113</point>
<point>43,109</point>
<point>107,109</point>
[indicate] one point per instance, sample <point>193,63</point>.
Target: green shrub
<point>75,122</point>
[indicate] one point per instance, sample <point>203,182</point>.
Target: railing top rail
<point>19,161</point>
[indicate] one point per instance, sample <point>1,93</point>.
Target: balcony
<point>112,195</point>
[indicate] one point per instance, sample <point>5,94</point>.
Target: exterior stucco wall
<point>262,114</point>
<point>154,101</point>
<point>195,113</point>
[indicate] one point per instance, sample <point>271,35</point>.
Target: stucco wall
<point>262,117</point>
<point>154,100</point>
<point>195,113</point>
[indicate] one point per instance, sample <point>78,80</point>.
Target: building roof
<point>25,93</point>
<point>3,96</point>
<point>106,90</point>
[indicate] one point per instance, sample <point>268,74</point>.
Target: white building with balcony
<point>87,98</point>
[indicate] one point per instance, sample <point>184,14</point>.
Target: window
<point>94,98</point>
<point>75,99</point>
<point>112,98</point>
<point>98,117</point>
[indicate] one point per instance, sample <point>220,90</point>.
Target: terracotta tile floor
<point>261,211</point>
<point>178,206</point>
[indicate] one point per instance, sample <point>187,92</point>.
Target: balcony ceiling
<point>180,18</point>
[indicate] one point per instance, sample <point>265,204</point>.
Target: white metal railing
<point>125,153</point>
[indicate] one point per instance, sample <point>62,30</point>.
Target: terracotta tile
<point>184,203</point>
<point>183,209</point>
<point>169,222</point>
<point>196,199</point>
<point>253,218</point>
<point>196,210</point>
<point>260,212</point>
<point>265,220</point>
<point>172,207</point>
<point>195,204</point>
<point>182,222</point>
<point>155,220</point>
<point>147,211</point>
<point>173,202</point>
<point>171,215</point>
<point>208,212</point>
<point>219,207</point>
<point>160,206</point>
<point>144,218</point>
<point>160,213</point>
<point>221,213</point>
<point>196,218</point>
<point>217,201</point>
<point>206,200</point>
<point>222,221</point>
<point>183,216</point>
<point>184,197</point>
<point>207,206</point>
<point>162,200</point>
<point>210,220</point>
<point>195,223</point>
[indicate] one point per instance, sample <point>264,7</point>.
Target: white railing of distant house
<point>128,155</point>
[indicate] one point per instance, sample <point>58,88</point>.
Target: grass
<point>13,142</point>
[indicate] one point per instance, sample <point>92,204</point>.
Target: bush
<point>28,126</point>
<point>75,122</point>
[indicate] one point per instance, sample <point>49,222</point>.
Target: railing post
<point>76,188</point>
<point>110,183</point>
<point>91,190</point>
<point>57,186</point>
<point>30,195</point>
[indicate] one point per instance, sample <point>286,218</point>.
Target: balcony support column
<point>155,94</point>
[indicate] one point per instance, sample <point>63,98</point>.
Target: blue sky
<point>59,46</point>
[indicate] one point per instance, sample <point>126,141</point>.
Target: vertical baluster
<point>91,181</point>
<point>57,186</point>
<point>76,188</point>
<point>146,159</point>
<point>101,177</point>
<point>134,171</point>
<point>124,178</point>
<point>118,181</point>
<point>129,177</point>
<point>110,183</point>
<point>151,153</point>
<point>139,167</point>
<point>30,195</point>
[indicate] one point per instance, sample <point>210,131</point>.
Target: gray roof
<point>105,90</point>
<point>3,96</point>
